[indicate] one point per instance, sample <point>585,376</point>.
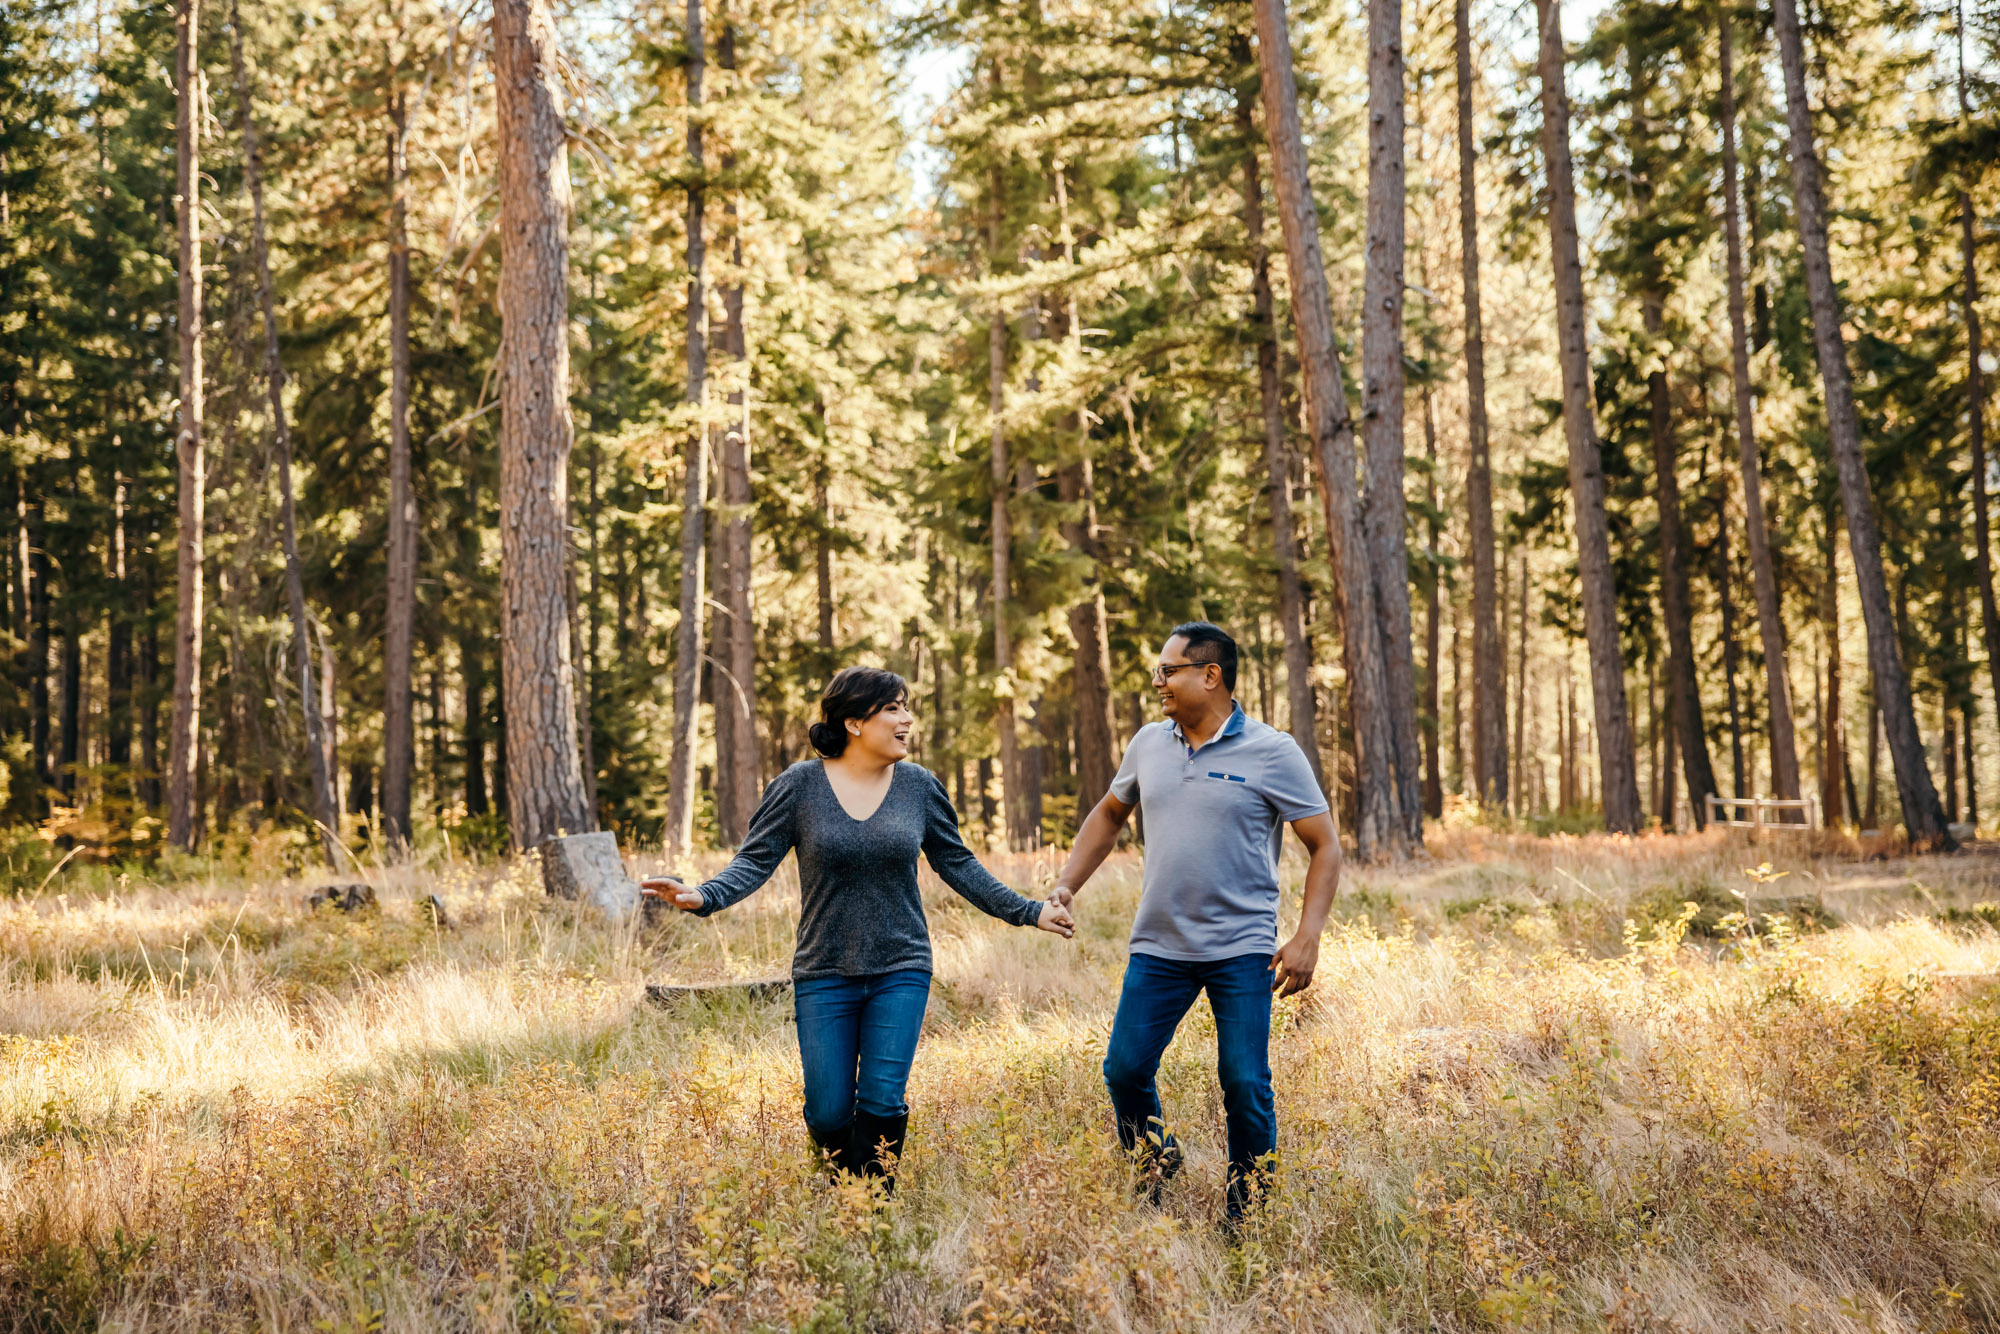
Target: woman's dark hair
<point>854,692</point>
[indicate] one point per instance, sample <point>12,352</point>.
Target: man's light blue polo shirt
<point>1215,821</point>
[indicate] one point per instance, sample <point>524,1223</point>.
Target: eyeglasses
<point>1167,669</point>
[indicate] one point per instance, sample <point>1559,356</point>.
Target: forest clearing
<point>439,437</point>
<point>1501,1108</point>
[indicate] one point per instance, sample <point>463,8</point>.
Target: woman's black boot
<point>878,1144</point>
<point>836,1149</point>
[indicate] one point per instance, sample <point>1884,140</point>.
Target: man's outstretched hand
<point>1292,966</point>
<point>669,890</point>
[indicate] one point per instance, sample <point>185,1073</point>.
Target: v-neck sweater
<point>860,912</point>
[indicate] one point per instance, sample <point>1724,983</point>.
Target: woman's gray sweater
<point>859,911</point>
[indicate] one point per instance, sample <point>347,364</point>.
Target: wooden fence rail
<point>1808,808</point>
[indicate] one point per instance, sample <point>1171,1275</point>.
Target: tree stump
<point>347,898</point>
<point>587,868</point>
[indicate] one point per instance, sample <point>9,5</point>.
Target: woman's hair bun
<point>827,739</point>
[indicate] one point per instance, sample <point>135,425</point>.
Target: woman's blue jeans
<point>857,1038</point>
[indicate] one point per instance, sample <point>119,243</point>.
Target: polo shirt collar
<point>1229,728</point>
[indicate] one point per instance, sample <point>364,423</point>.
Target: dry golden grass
<point>1501,1108</point>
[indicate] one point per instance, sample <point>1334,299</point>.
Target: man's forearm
<point>1322,884</point>
<point>1094,841</point>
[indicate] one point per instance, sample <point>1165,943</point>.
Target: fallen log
<point>753,989</point>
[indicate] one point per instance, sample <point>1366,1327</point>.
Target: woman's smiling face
<point>886,735</point>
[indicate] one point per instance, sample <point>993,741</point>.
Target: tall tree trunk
<point>1378,827</point>
<point>1683,681</point>
<point>1923,816</point>
<point>1521,693</point>
<point>1874,818</point>
<point>694,494</point>
<point>1001,475</point>
<point>544,782</point>
<point>823,560</point>
<point>35,529</point>
<point>1489,694</point>
<point>728,823</point>
<point>1304,708</point>
<point>1975,408</point>
<point>472,671</point>
<point>1433,621</point>
<point>1971,775</point>
<point>70,720</point>
<point>1091,675</point>
<point>184,738</point>
<point>739,696</point>
<point>398,700</point>
<point>1833,733</point>
<point>1617,763</point>
<point>118,638</point>
<point>1731,654</point>
<point>1763,574</point>
<point>326,814</point>
<point>1383,507</point>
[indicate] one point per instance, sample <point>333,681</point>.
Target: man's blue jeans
<point>1158,992</point>
<point>857,1038</point>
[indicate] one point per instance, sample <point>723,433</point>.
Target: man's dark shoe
<point>1158,1164</point>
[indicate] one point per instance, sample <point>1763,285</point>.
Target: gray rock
<point>587,868</point>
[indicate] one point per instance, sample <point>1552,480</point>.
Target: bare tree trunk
<point>1683,681</point>
<point>1874,761</point>
<point>728,824</point>
<point>184,740</point>
<point>1433,622</point>
<point>118,638</point>
<point>1304,708</point>
<point>545,794</point>
<point>398,704</point>
<point>1378,828</point>
<point>1617,762</point>
<point>1382,401</point>
<point>1975,407</point>
<point>1833,732</point>
<point>1091,675</point>
<point>1489,694</point>
<point>1764,577</point>
<point>739,693</point>
<point>823,561</point>
<point>1923,816</point>
<point>1731,654</point>
<point>1521,694</point>
<point>1001,474</point>
<point>325,812</point>
<point>688,644</point>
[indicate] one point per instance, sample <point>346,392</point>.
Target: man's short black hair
<point>1209,642</point>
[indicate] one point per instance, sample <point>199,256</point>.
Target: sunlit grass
<point>1501,1106</point>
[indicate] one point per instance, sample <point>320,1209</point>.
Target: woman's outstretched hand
<point>669,890</point>
<point>1055,917</point>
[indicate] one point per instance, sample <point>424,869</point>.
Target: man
<point>1217,789</point>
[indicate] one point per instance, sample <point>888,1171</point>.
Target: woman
<point>862,971</point>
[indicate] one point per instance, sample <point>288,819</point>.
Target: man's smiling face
<point>1184,687</point>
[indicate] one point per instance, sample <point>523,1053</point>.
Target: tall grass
<point>1528,1089</point>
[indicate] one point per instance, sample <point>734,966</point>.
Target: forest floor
<point>1528,1089</point>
